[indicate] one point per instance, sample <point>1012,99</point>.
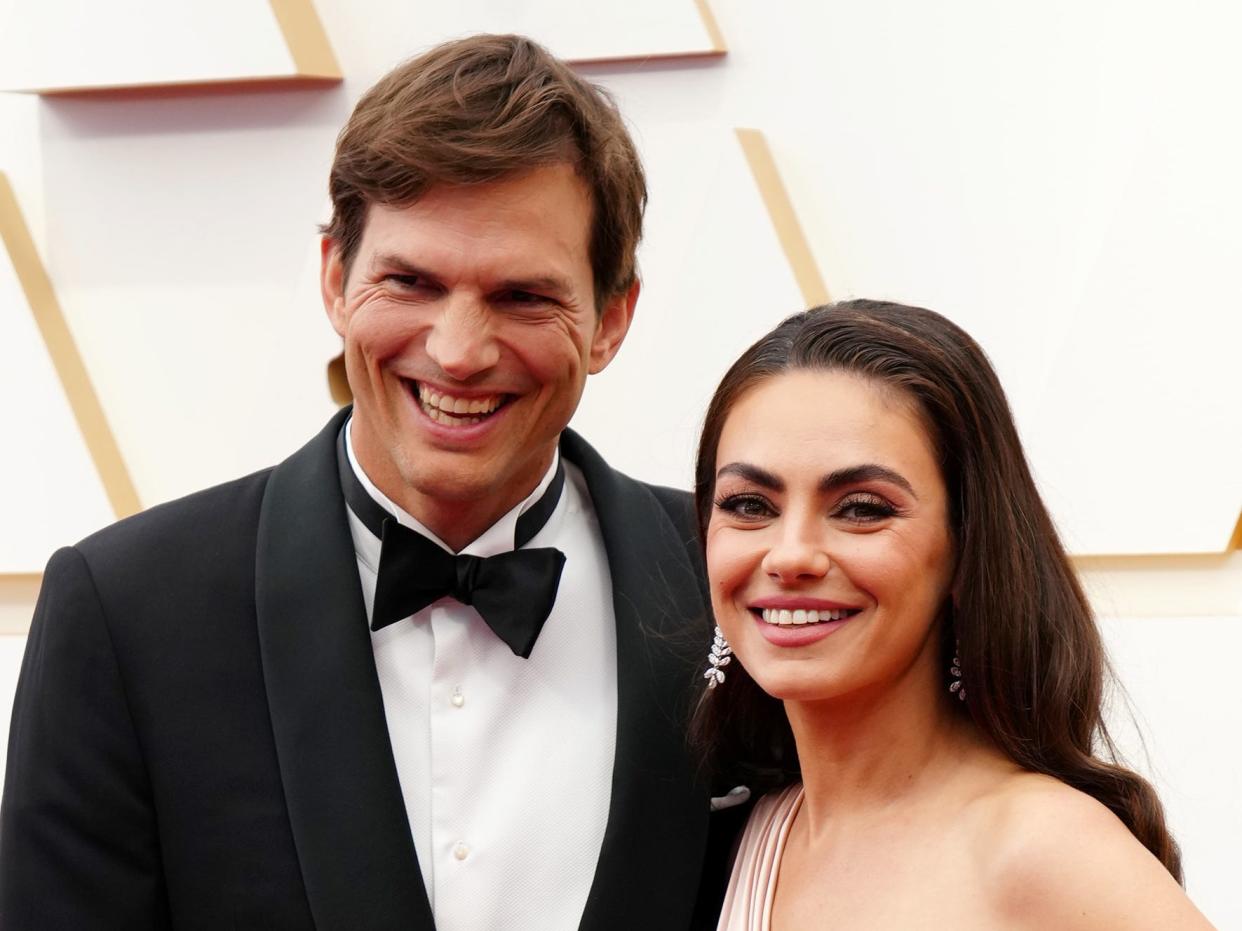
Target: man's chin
<point>447,487</point>
<point>449,475</point>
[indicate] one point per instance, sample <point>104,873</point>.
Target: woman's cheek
<point>729,568</point>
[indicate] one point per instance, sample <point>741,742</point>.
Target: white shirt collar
<point>498,538</point>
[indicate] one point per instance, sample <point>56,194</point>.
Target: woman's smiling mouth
<point>799,621</point>
<point>786,617</point>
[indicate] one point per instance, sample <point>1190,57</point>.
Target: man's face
<point>470,325</point>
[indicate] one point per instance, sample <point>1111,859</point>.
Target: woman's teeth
<point>784,617</point>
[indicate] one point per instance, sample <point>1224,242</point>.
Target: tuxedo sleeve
<point>78,841</point>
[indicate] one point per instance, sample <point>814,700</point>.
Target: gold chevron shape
<point>18,592</point>
<point>712,27</point>
<point>314,64</point>
<point>716,49</point>
<point>66,359</point>
<point>784,218</point>
<point>814,291</point>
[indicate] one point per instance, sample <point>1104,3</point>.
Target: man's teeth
<point>451,411</point>
<point>785,617</point>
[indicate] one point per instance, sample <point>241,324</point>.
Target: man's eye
<point>407,281</point>
<point>523,297</point>
<point>746,507</point>
<point>865,509</point>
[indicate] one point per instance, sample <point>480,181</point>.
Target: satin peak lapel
<point>652,855</point>
<point>344,799</point>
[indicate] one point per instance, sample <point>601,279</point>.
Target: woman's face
<point>828,549</point>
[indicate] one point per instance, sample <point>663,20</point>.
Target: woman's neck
<point>864,753</point>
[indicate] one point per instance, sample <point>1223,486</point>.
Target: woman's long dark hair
<point>1030,651</point>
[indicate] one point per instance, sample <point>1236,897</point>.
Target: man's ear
<point>332,284</point>
<point>614,323</point>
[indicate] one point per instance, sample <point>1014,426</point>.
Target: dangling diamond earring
<point>720,656</point>
<point>955,670</point>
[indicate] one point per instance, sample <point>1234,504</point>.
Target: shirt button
<point>461,851</point>
<point>457,699</point>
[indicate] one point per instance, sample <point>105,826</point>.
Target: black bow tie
<point>513,592</point>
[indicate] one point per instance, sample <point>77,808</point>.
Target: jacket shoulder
<point>199,523</point>
<point>677,503</point>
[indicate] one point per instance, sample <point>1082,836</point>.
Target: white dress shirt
<point>505,763</point>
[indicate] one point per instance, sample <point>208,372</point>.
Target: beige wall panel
<point>376,36</point>
<point>11,648</point>
<point>784,217</point>
<point>68,46</point>
<point>1057,179</point>
<point>21,158</point>
<point>1162,586</point>
<point>18,593</point>
<point>710,250</point>
<point>1175,719</point>
<point>62,475</point>
<point>177,272</point>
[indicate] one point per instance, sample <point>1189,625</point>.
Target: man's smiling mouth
<point>455,410</point>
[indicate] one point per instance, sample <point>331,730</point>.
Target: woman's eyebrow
<point>868,472</point>
<point>752,473</point>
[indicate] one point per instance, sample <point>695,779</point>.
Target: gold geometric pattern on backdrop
<point>784,219</point>
<point>66,359</point>
<point>313,60</point>
<point>810,281</point>
<point>314,64</point>
<point>712,27</point>
<point>18,589</point>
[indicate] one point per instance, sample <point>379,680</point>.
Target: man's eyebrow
<point>868,472</point>
<point>551,285</point>
<point>752,473</point>
<point>402,266</point>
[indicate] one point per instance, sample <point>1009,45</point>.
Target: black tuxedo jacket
<point>199,739</point>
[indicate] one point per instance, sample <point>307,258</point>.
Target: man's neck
<point>457,521</point>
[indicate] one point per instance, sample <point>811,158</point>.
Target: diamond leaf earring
<point>957,686</point>
<point>719,657</point>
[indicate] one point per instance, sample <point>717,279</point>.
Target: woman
<point>921,674</point>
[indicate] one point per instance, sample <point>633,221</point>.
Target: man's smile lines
<point>454,411</point>
<point>785,617</point>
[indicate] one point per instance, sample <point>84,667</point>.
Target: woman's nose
<point>796,558</point>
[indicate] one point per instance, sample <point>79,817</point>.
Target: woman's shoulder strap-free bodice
<point>752,885</point>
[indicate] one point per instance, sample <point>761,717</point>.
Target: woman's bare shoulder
<point>1051,856</point>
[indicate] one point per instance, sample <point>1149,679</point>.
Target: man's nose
<point>798,555</point>
<point>462,342</point>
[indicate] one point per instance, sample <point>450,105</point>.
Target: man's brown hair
<point>481,109</point>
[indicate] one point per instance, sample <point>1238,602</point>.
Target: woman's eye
<point>865,509</point>
<point>746,507</point>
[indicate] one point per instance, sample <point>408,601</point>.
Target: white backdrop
<point>1060,179</point>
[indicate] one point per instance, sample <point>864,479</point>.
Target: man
<point>284,702</point>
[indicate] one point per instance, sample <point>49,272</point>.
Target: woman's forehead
<point>828,413</point>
